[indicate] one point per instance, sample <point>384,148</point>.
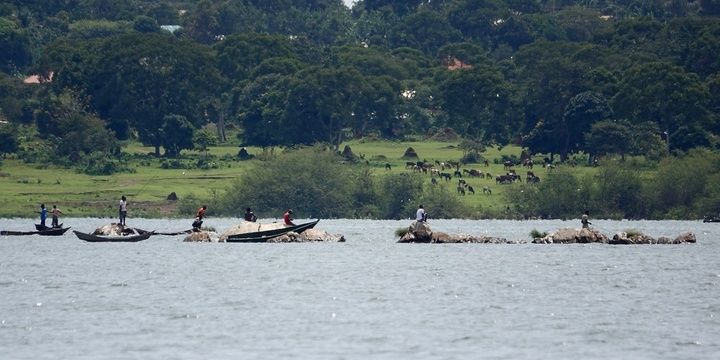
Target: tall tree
<point>663,93</point>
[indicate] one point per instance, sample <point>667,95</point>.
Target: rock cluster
<point>572,236</point>
<point>420,232</point>
<point>309,235</point>
<point>202,236</point>
<point>622,238</point>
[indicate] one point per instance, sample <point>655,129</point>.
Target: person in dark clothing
<point>249,215</point>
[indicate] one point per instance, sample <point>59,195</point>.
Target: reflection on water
<point>366,298</point>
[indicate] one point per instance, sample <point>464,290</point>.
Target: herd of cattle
<point>446,170</point>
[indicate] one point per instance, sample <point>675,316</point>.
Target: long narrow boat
<point>48,232</point>
<point>105,238</point>
<point>264,236</point>
<point>41,227</point>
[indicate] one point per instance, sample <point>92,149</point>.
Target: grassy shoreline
<point>25,186</point>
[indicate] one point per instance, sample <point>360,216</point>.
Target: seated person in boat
<point>249,215</point>
<point>199,218</point>
<point>287,218</point>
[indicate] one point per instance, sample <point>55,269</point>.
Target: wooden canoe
<point>264,236</point>
<point>104,238</point>
<point>41,227</point>
<point>48,232</point>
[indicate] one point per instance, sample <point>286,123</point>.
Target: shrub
<point>314,183</point>
<point>98,163</point>
<point>536,234</point>
<point>400,232</point>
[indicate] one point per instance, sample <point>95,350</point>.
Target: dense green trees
<point>562,77</point>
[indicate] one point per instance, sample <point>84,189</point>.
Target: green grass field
<point>25,186</point>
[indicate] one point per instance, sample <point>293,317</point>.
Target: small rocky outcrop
<point>420,232</point>
<point>202,236</point>
<point>572,236</point>
<point>309,235</point>
<point>622,238</point>
<point>115,230</point>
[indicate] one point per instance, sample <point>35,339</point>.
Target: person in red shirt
<point>287,218</point>
<point>199,218</point>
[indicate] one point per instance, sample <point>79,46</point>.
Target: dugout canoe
<point>48,232</point>
<point>103,238</point>
<point>41,227</point>
<point>264,236</point>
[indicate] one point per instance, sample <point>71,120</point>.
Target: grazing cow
<point>387,166</point>
<point>530,175</point>
<point>409,165</point>
<point>503,179</point>
<point>488,175</point>
<point>486,190</point>
<point>461,190</point>
<point>471,190</point>
<point>487,163</point>
<point>507,164</point>
<point>457,173</point>
<point>435,172</point>
<point>433,181</point>
<point>528,163</point>
<point>533,180</point>
<point>475,173</point>
<point>446,176</point>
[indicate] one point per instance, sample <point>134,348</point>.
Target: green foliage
<point>203,139</point>
<point>176,134</point>
<point>313,183</point>
<point>631,233</point>
<point>8,140</point>
<point>399,195</point>
<point>440,203</point>
<point>98,163</point>
<point>400,232</point>
<point>536,234</point>
<point>559,195</point>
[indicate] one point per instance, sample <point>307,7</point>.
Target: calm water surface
<point>61,298</point>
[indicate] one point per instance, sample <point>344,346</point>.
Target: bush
<point>536,234</point>
<point>399,195</point>
<point>174,164</point>
<point>313,183</point>
<point>440,203</point>
<point>98,163</point>
<point>472,158</point>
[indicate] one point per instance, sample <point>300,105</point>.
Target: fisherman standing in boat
<point>199,218</point>
<point>55,215</point>
<point>249,215</point>
<point>123,210</point>
<point>585,220</point>
<point>421,215</point>
<point>287,218</point>
<point>43,215</point>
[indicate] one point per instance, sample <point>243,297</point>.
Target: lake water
<point>368,298</point>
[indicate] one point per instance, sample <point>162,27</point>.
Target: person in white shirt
<point>420,215</point>
<point>123,210</point>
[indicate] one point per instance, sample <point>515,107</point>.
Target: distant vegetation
<point>568,82</point>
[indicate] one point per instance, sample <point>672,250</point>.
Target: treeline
<point>683,187</point>
<point>558,77</point>
<point>315,183</point>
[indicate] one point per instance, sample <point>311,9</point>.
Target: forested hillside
<point>557,77</point>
